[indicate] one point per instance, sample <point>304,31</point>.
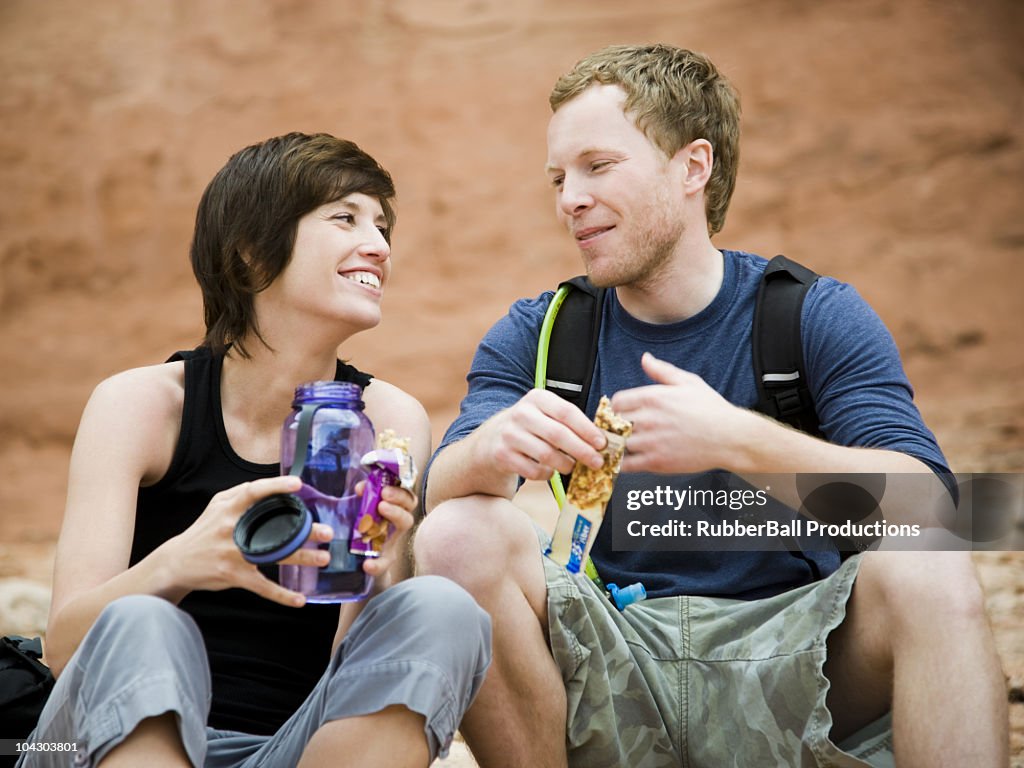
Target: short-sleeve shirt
<point>861,394</point>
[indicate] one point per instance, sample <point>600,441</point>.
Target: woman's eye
<point>599,165</point>
<point>557,181</point>
<point>348,218</point>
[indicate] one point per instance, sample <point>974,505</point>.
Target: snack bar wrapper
<point>588,494</point>
<point>389,464</point>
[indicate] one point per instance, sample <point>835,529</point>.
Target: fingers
<point>532,457</point>
<point>245,495</point>
<point>378,566</point>
<point>321,533</point>
<point>396,506</point>
<point>543,433</point>
<point>661,371</point>
<point>264,587</point>
<point>583,436</point>
<point>310,554</point>
<point>631,403</point>
<point>265,486</point>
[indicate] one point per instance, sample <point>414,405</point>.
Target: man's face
<point>615,191</point>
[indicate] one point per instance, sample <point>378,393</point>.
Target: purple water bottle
<point>322,442</point>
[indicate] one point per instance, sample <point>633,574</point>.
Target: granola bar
<point>592,487</point>
<point>389,464</point>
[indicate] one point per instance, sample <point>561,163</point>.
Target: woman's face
<point>340,264</point>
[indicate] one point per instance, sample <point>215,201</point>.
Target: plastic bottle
<point>322,441</point>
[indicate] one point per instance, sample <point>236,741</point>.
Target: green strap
<point>540,377</point>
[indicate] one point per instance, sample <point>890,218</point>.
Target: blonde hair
<point>675,96</point>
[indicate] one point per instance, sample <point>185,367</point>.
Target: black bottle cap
<point>273,528</point>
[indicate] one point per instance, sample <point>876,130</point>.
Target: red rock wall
<point>882,144</point>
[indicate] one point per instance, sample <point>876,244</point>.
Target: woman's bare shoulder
<point>137,413</point>
<point>386,399</point>
<point>157,388</point>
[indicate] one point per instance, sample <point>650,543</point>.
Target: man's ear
<point>698,159</point>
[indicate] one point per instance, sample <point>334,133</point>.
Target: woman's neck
<point>257,391</point>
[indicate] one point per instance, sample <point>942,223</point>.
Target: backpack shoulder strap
<point>567,348</point>
<point>778,355</point>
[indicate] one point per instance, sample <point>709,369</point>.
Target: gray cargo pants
<point>144,657</point>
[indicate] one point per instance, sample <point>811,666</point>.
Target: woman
<point>292,253</point>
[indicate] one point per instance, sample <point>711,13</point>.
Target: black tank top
<point>265,658</point>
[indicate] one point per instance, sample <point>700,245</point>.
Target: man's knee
<point>489,546</point>
<point>918,589</point>
<point>468,538</point>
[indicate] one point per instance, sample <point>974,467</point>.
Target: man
<point>738,658</point>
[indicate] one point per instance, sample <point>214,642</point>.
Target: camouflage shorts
<point>702,682</point>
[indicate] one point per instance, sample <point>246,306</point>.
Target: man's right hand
<point>539,435</point>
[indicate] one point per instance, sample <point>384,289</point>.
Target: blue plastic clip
<point>634,593</point>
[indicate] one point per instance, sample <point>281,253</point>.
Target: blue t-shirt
<point>860,391</point>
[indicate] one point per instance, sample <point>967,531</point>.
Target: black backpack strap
<point>779,370</point>
<point>572,349</point>
<point>567,348</point>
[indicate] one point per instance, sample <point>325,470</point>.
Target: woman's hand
<point>205,555</point>
<point>396,506</point>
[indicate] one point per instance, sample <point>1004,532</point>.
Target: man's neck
<point>684,286</point>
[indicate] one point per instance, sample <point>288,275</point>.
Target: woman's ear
<point>250,270</point>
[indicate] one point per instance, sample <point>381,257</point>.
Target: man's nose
<point>573,198</point>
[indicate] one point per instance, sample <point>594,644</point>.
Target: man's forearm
<point>776,455</point>
<point>459,470</point>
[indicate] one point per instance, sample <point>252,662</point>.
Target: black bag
<point>25,684</point>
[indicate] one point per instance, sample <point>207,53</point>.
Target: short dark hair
<point>675,96</point>
<point>249,214</point>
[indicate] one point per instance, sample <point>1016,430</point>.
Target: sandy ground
<point>883,144</point>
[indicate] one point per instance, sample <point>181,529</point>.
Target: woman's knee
<point>140,642</point>
<point>415,619</point>
<point>141,614</point>
<point>144,626</point>
<point>441,604</point>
